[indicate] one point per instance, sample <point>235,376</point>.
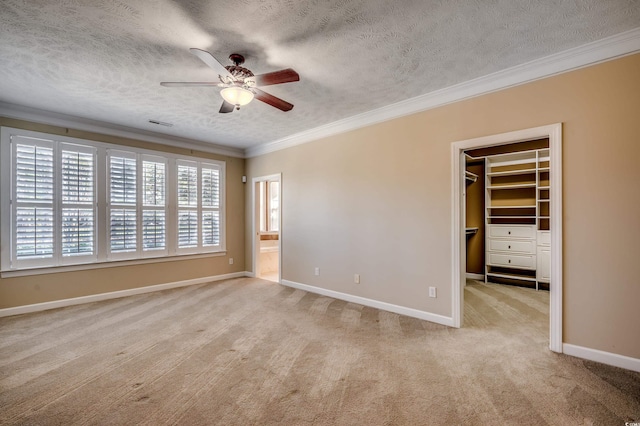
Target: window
<point>154,208</point>
<point>123,201</point>
<point>198,187</point>
<point>33,232</point>
<point>53,208</point>
<point>55,213</point>
<point>187,205</point>
<point>269,214</point>
<point>210,205</point>
<point>77,201</point>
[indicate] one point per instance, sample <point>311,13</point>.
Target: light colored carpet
<point>247,351</point>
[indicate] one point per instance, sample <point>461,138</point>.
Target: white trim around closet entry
<point>458,273</point>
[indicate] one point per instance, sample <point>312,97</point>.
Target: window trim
<point>102,255</point>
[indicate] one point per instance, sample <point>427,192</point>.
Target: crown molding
<point>20,112</point>
<point>606,49</point>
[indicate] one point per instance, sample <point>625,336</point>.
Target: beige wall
<point>377,201</point>
<point>27,290</point>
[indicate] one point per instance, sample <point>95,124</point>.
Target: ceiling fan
<point>239,84</point>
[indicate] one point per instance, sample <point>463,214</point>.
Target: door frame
<point>554,133</point>
<point>255,221</point>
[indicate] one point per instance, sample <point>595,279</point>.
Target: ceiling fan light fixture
<point>237,96</point>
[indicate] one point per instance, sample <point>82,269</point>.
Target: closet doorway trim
<point>554,133</point>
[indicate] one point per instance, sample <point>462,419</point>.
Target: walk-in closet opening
<point>507,236</point>
<point>507,214</point>
<point>508,230</point>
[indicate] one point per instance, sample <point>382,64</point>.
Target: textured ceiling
<point>104,60</point>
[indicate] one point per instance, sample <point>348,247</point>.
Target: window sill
<point>110,264</point>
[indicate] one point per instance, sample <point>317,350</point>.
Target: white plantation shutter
<point>122,178</point>
<point>187,184</point>
<point>210,228</point>
<point>123,201</point>
<point>34,202</point>
<point>78,227</point>
<point>154,176</point>
<point>153,229</point>
<point>187,174</point>
<point>34,171</point>
<point>153,182</point>
<point>34,232</point>
<point>210,187</point>
<point>77,176</point>
<point>210,178</point>
<point>187,228</point>
<point>123,230</point>
<point>77,232</point>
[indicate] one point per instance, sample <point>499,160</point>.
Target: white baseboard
<point>472,276</point>
<point>608,358</point>
<point>410,312</point>
<point>36,307</point>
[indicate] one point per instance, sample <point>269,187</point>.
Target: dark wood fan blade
<point>187,83</point>
<point>276,77</point>
<point>226,107</point>
<point>272,100</point>
<point>212,62</point>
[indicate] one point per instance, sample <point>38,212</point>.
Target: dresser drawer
<point>518,246</point>
<point>512,231</point>
<point>512,260</point>
<point>544,238</point>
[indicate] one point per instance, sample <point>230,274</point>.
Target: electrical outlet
<point>432,292</point>
<point>316,272</point>
<point>231,261</point>
<point>356,278</point>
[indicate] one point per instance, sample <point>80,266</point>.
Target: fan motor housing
<point>239,72</point>
<point>236,70</point>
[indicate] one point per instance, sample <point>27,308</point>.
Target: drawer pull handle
<point>509,246</point>
<point>509,232</point>
<point>509,260</point>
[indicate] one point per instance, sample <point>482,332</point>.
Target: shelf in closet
<point>517,186</point>
<point>512,172</point>
<point>512,217</point>
<point>512,207</point>
<point>471,177</point>
<point>514,276</point>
